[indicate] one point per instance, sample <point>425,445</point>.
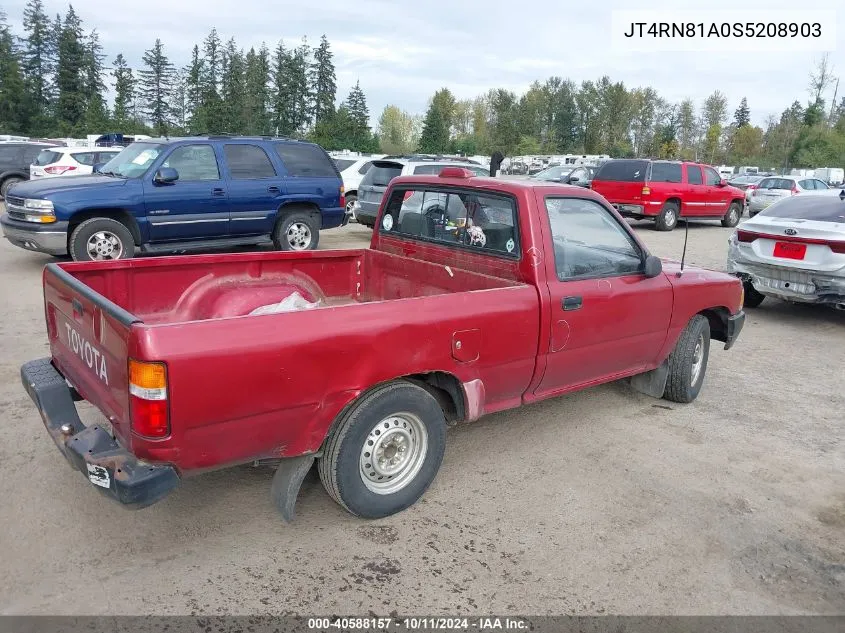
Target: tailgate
<point>89,343</point>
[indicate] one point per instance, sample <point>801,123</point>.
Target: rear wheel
<point>752,297</point>
<point>385,452</point>
<point>296,231</point>
<point>733,215</point>
<point>667,219</point>
<point>8,183</point>
<point>101,239</point>
<point>688,361</point>
<point>351,199</point>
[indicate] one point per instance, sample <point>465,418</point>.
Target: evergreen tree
<point>71,101</point>
<point>742,116</point>
<point>212,105</point>
<point>282,118</point>
<point>96,115</point>
<point>14,110</point>
<point>232,88</point>
<point>435,136</point>
<point>124,95</point>
<point>155,86</point>
<point>52,81</point>
<point>179,101</point>
<point>300,104</point>
<point>322,77</point>
<point>194,73</point>
<point>256,93</point>
<point>36,59</point>
<point>356,103</point>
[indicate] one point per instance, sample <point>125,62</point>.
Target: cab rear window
<point>623,171</point>
<point>464,219</point>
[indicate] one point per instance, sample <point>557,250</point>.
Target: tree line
<point>54,76</point>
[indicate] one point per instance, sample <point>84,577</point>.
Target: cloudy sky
<point>404,50</point>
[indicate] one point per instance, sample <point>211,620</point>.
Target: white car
<point>773,188</point>
<point>69,161</point>
<point>352,171</point>
<point>794,250</point>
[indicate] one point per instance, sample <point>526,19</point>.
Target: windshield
<point>132,162</point>
<point>553,173</point>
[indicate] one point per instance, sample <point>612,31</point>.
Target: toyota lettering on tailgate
<point>89,354</point>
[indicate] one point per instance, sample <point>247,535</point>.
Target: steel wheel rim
<point>299,236</point>
<point>697,361</point>
<point>393,453</point>
<point>670,217</point>
<point>104,245</point>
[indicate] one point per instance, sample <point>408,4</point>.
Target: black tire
<point>350,201</point>
<point>8,183</point>
<point>340,466</point>
<point>752,297</point>
<point>667,219</point>
<point>77,245</point>
<point>306,238</point>
<point>733,216</point>
<point>680,386</point>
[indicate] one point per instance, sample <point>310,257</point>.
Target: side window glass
<point>365,167</point>
<point>694,175</point>
<point>84,158</point>
<point>588,241</point>
<point>711,177</point>
<point>194,162</point>
<point>485,222</point>
<point>247,162</point>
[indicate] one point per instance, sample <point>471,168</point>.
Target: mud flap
<point>286,483</point>
<point>652,383</point>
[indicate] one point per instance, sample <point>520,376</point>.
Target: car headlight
<point>38,205</point>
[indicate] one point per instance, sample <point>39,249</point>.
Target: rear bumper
<point>110,468</point>
<point>43,238</point>
<point>801,286</point>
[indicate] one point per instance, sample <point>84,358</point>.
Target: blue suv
<point>165,195</point>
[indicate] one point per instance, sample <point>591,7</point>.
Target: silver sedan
<point>794,250</point>
<point>773,188</point>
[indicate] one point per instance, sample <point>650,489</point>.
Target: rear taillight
<point>646,191</point>
<point>748,236</point>
<point>148,399</point>
<point>795,189</point>
<point>58,170</point>
<point>342,197</point>
<point>751,187</point>
<point>745,236</point>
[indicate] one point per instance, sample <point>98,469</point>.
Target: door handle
<point>218,192</point>
<point>572,303</point>
<point>274,190</point>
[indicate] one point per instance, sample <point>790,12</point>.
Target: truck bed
<point>178,290</point>
<point>248,387</point>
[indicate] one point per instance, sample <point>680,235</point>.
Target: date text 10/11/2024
<point>418,624</point>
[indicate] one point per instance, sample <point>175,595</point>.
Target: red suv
<point>666,190</point>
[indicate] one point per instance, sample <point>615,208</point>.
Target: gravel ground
<point>605,501</point>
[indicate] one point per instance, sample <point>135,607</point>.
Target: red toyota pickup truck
<point>477,295</point>
<point>666,190</point>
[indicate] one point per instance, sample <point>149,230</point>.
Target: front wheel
<point>297,231</point>
<point>101,239</point>
<point>385,452</point>
<point>688,361</point>
<point>733,215</point>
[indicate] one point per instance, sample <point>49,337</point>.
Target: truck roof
<point>503,185</point>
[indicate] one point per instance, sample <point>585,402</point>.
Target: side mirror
<point>653,266</point>
<point>97,167</point>
<point>722,183</point>
<point>166,176</point>
<point>573,179</point>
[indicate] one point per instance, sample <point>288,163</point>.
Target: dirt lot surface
<point>605,501</point>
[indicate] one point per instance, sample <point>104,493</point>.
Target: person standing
<point>495,163</point>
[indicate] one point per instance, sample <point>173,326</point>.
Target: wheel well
<point>718,319</point>
<point>675,200</point>
<point>121,215</point>
<point>294,207</point>
<point>446,389</point>
<point>354,192</point>
<point>739,201</point>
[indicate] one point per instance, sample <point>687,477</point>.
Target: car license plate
<point>790,250</point>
